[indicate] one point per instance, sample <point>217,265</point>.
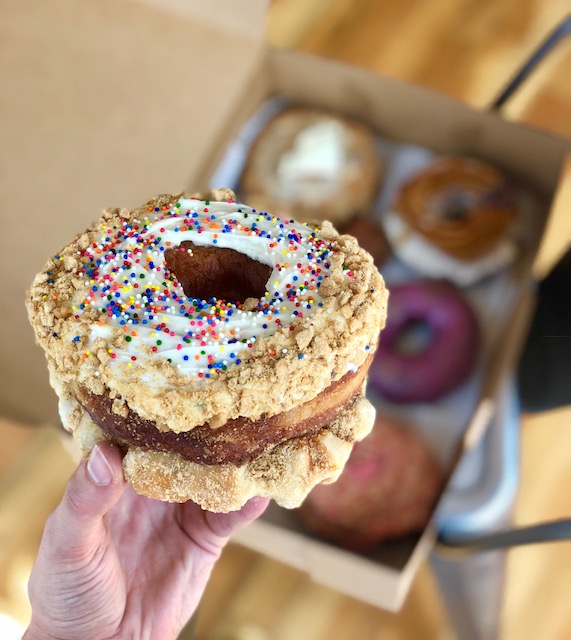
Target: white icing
<point>312,168</point>
<point>132,273</point>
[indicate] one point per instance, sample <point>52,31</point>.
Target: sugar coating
<point>285,473</point>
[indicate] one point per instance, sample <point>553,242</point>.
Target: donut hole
<point>454,205</point>
<point>216,272</point>
<point>415,336</point>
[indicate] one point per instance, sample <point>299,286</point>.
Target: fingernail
<point>98,468</point>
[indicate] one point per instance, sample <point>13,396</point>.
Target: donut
<point>370,236</point>
<point>313,164</point>
<point>387,490</point>
<point>430,344</point>
<point>223,348</point>
<point>452,219</point>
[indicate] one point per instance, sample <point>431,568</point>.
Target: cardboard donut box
<point>189,76</point>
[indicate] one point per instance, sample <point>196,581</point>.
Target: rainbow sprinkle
<point>128,282</point>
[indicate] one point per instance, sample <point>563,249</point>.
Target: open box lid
<point>104,104</point>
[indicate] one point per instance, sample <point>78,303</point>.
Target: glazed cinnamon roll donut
<point>452,219</point>
<point>313,164</point>
<point>223,348</point>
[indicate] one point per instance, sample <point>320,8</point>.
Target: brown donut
<point>371,237</point>
<point>463,206</point>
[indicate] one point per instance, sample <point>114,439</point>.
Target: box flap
<point>243,18</point>
<point>104,103</point>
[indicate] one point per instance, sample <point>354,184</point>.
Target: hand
<point>114,564</point>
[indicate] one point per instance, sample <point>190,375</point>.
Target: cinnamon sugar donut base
<point>285,473</point>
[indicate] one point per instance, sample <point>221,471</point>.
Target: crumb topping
<point>113,317</point>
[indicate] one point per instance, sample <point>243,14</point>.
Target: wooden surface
<point>466,48</point>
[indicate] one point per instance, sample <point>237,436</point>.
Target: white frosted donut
<point>213,334</point>
<point>313,164</point>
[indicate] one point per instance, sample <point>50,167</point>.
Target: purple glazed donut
<point>429,345</point>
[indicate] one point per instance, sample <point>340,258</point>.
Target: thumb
<point>94,489</point>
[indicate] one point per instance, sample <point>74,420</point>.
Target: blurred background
<point>465,48</point>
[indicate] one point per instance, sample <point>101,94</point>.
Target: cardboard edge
<point>328,565</point>
<point>485,412</point>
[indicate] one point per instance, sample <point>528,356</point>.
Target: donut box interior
<point>189,83</point>
<point>408,120</point>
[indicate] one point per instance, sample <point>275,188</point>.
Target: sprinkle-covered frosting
<point>128,282</point>
<point>120,312</point>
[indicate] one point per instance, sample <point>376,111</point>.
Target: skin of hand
<point>114,564</point>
